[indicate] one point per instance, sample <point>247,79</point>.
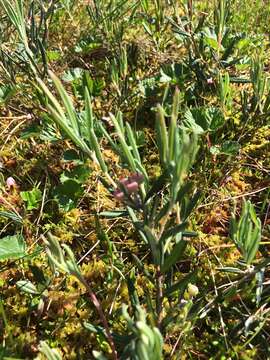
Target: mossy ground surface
<point>39,156</point>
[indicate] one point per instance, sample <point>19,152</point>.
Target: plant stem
<point>103,319</point>
<point>190,11</point>
<point>159,296</point>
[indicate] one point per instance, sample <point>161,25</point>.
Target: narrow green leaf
<point>114,214</point>
<point>114,146</point>
<point>191,205</point>
<point>12,216</point>
<point>232,270</point>
<point>88,112</point>
<point>97,150</point>
<point>162,136</point>
<point>135,221</point>
<point>65,127</point>
<point>67,103</point>
<point>27,287</point>
<point>189,234</point>
<point>175,255</point>
<point>124,145</point>
<point>254,246</point>
<point>60,118</point>
<point>157,186</point>
<point>56,105</point>
<point>173,126</point>
<point>173,231</point>
<point>246,233</point>
<point>133,143</point>
<point>181,284</point>
<point>153,242</point>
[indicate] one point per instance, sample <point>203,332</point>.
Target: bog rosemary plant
<point>246,232</point>
<point>125,54</point>
<point>158,209</point>
<point>32,34</point>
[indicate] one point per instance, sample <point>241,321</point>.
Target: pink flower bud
<point>132,187</point>
<point>139,178</point>
<point>136,177</point>
<point>124,181</point>
<point>210,81</point>
<point>119,195</point>
<point>10,182</point>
